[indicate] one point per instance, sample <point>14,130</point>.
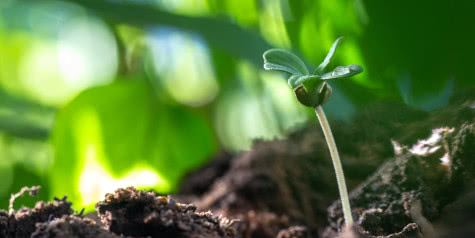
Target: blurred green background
<point>96,95</point>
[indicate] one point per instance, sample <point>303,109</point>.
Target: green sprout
<point>312,90</point>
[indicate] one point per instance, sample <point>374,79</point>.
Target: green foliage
<point>277,59</point>
<point>343,72</point>
<point>310,90</point>
<point>319,70</point>
<point>122,126</point>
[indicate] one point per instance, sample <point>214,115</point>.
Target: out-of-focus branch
<point>23,118</point>
<point>22,128</point>
<point>218,33</point>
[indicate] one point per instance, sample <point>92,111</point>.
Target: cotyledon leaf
<point>293,81</point>
<point>343,72</point>
<point>296,80</point>
<point>327,59</point>
<point>309,82</point>
<point>282,60</point>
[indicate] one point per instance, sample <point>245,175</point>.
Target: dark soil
<point>126,213</point>
<point>71,226</point>
<point>139,214</point>
<point>410,173</point>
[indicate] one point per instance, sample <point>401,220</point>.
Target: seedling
<point>312,90</point>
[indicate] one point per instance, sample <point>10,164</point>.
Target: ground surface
<point>410,174</point>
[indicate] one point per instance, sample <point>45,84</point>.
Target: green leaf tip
<point>343,72</point>
<point>320,69</point>
<point>282,60</point>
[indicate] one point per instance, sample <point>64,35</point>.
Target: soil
<point>410,173</point>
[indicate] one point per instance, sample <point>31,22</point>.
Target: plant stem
<point>340,177</point>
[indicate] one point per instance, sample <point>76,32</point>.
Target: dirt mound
<point>126,213</point>
<point>139,213</point>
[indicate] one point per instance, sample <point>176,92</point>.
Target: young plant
<point>312,90</point>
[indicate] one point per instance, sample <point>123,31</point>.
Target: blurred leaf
<point>14,45</point>
<point>244,12</point>
<point>272,23</point>
<point>122,126</point>
<point>224,66</point>
<point>343,72</point>
<point>323,65</point>
<point>282,60</point>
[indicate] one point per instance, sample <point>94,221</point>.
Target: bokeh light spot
<point>183,66</point>
<point>87,53</point>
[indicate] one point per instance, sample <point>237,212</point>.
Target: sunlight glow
<point>40,75</point>
<point>95,181</point>
<point>87,53</point>
<point>71,57</point>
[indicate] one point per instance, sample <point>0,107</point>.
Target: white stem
<point>340,177</point>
